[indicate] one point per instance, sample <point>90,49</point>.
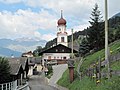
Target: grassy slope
<point>113,66</point>
<point>88,84</point>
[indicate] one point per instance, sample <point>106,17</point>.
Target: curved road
<point>40,82</point>
<point>58,70</point>
<point>37,82</point>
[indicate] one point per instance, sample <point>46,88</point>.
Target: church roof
<point>61,21</point>
<point>58,49</point>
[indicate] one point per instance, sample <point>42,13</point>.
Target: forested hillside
<point>114,27</point>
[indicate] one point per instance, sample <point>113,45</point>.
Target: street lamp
<point>106,38</point>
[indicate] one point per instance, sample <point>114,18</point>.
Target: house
<point>27,54</point>
<point>61,52</point>
<point>34,65</point>
<point>18,68</point>
<point>16,72</point>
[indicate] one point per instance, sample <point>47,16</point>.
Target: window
<point>49,57</point>
<point>64,57</point>
<point>59,29</point>
<point>62,39</point>
<point>56,50</point>
<point>62,50</point>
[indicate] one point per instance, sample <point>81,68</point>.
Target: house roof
<point>15,68</point>
<point>18,61</point>
<point>58,49</point>
<point>27,53</point>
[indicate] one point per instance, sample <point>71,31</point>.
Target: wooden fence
<point>9,86</point>
<point>13,86</point>
<point>94,71</point>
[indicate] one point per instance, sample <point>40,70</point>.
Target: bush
<point>50,72</point>
<point>4,70</point>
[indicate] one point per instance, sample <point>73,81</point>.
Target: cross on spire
<point>61,13</point>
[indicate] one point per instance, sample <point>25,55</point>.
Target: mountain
<point>8,52</point>
<point>19,45</point>
<point>116,15</point>
<point>21,41</point>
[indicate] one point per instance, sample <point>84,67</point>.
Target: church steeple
<point>61,13</point>
<point>62,34</point>
<point>61,21</point>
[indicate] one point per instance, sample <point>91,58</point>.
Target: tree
<point>37,51</point>
<point>83,47</point>
<point>96,31</point>
<point>4,70</point>
<point>117,33</point>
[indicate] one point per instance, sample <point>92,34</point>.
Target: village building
<point>18,69</point>
<point>61,52</point>
<point>27,54</point>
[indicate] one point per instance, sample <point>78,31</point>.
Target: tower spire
<point>61,13</point>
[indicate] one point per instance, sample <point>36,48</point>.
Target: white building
<point>61,33</point>
<point>61,52</point>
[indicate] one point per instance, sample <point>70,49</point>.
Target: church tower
<point>61,33</point>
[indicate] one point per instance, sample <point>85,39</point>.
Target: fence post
<point>71,69</point>
<point>99,63</point>
<point>9,86</point>
<point>6,85</point>
<point>15,85</point>
<point>2,86</point>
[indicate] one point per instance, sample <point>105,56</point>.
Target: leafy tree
<point>4,70</point>
<point>96,30</point>
<point>37,51</point>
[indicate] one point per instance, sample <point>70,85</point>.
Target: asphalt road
<point>58,70</point>
<point>39,83</point>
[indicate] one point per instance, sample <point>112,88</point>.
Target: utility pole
<point>106,38</point>
<point>72,43</point>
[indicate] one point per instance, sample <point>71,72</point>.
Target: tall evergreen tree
<point>96,30</point>
<point>83,47</point>
<point>4,70</point>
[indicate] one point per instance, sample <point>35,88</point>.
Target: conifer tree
<point>96,30</point>
<point>83,47</point>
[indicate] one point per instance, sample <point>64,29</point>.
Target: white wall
<point>56,55</point>
<point>30,72</point>
<point>62,33</point>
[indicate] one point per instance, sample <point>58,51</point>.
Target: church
<point>60,52</point>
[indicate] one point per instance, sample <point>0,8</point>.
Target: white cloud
<point>48,37</point>
<point>25,23</point>
<point>11,1</point>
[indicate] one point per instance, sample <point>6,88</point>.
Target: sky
<point>38,18</point>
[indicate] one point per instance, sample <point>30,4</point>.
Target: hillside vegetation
<point>89,84</point>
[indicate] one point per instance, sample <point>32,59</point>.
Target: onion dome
<point>61,21</point>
